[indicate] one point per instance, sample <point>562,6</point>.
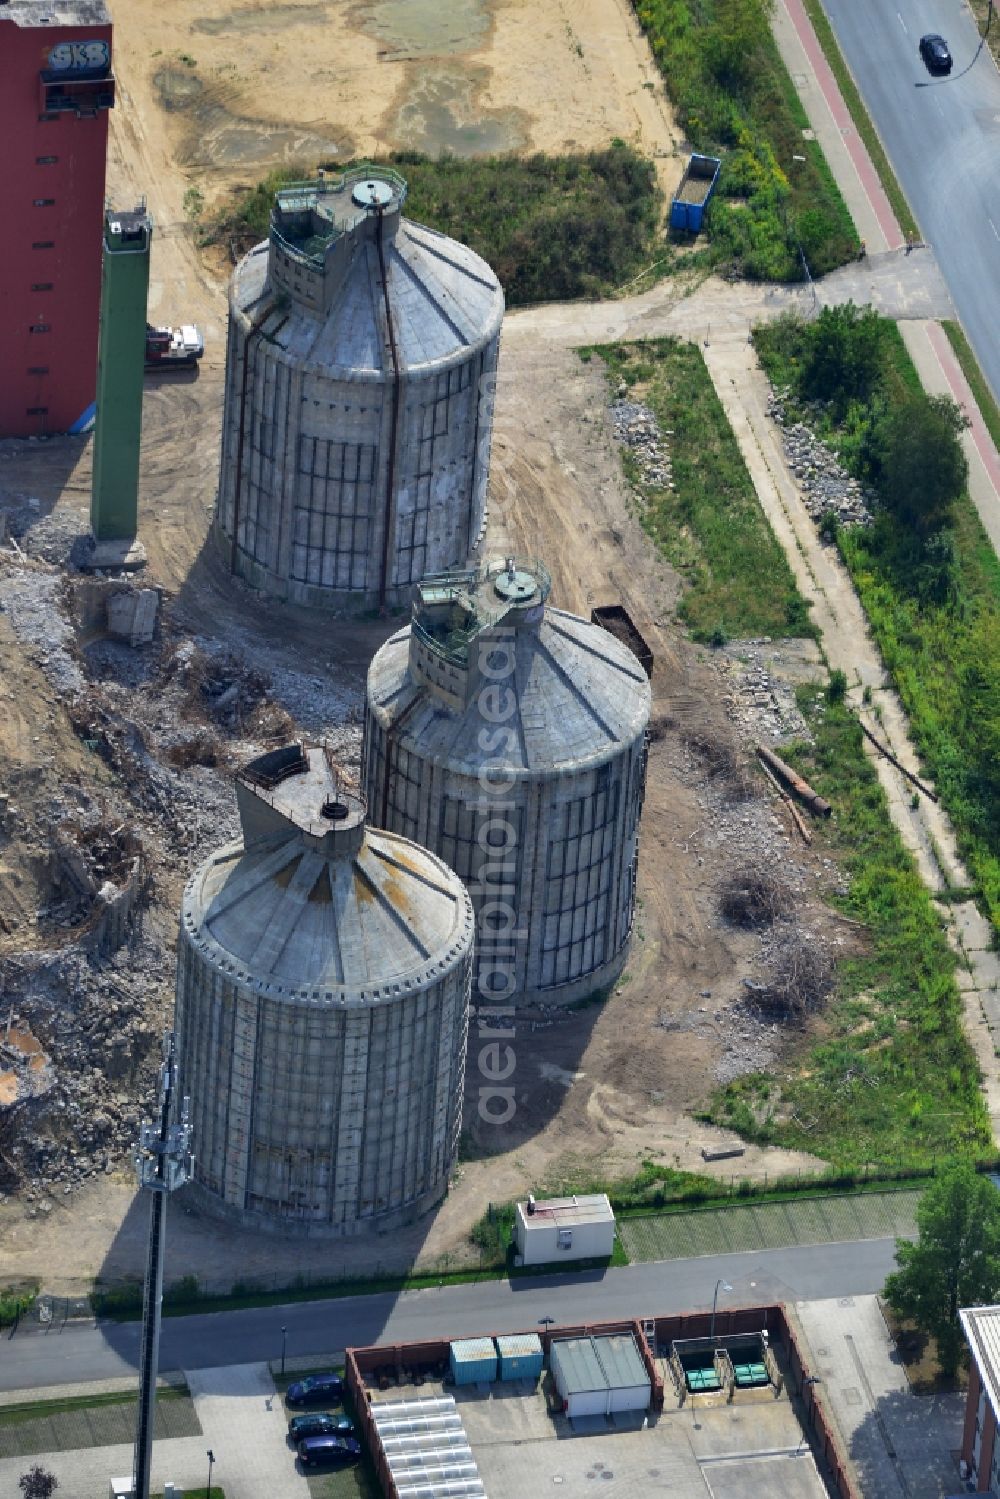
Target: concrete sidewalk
<point>901,1445</point>
<point>84,1472</point>
<point>242,1421</point>
<point>244,1424</point>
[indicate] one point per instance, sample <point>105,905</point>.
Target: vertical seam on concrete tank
<point>474,476</point>
<point>252,1111</point>
<point>390,481</point>
<point>255,329</point>
<point>392,730</point>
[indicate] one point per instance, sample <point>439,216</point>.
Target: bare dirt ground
<point>598,1090</point>
<point>243,87</point>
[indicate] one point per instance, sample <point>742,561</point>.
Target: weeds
<point>709,526</point>
<point>929,581</point>
<point>552,228</point>
<point>891,1078</point>
<point>734,97</point>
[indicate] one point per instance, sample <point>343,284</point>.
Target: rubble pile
<point>170,714</point>
<point>99,1024</point>
<point>826,486</point>
<point>25,1069</point>
<point>761,701</point>
<point>99,875</point>
<point>49,538</point>
<point>749,1024</point>
<point>636,427</point>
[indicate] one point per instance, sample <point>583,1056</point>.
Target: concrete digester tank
<point>322,1010</point>
<point>510,738</point>
<point>360,375</point>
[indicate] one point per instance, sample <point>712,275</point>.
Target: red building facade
<point>56,87</point>
<point>980,1446</point>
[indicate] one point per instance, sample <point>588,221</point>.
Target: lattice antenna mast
<point>163,1162</point>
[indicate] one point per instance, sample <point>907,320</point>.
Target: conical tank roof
<point>485,656</point>
<point>313,904</point>
<point>324,261</point>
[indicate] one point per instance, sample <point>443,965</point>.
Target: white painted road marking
<point>901,22</point>
<point>993,226</point>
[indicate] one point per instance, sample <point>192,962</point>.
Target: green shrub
<point>734,98</point>
<point>836,687</point>
<point>552,227</point>
<point>928,577</point>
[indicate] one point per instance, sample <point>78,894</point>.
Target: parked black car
<point>329,1452</point>
<point>935,53</point>
<point>316,1389</point>
<point>319,1424</point>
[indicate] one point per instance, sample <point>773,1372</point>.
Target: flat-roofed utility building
<point>564,1228</point>
<point>980,1446</point>
<point>600,1376</point>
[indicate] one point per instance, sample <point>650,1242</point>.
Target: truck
<point>173,348</point>
<point>687,208</point>
<point>616,619</point>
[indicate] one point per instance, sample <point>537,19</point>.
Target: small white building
<point>598,1376</point>
<point>564,1228</point>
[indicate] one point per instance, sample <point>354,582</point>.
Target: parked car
<point>935,53</point>
<point>329,1452</point>
<point>319,1424</point>
<point>316,1389</point>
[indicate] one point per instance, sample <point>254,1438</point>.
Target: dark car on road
<point>329,1452</point>
<point>935,53</point>
<point>316,1389</point>
<point>319,1424</point>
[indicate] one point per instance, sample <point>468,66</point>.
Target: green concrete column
<point>114,497</point>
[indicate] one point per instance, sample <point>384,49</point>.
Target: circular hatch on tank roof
<point>516,586</point>
<point>372,193</point>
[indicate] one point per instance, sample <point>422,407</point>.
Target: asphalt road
<point>75,1352</point>
<point>943,139</point>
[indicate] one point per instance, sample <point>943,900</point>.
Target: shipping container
<point>473,1360</point>
<point>520,1356</point>
<point>691,199</point>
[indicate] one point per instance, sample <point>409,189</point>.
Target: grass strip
<point>707,520</point>
<point>861,118</point>
<point>32,1410</point>
<point>215,1492</point>
<point>981,393</point>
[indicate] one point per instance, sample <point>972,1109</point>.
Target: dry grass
<point>753,897</point>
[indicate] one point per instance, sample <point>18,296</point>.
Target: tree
<point>845,354</point>
<point>921,467</point>
<point>38,1483</point>
<point>954,1262</point>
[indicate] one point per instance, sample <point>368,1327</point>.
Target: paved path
<point>108,1350</point>
<point>84,1473</point>
<point>901,1445</point>
<point>244,1425</point>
